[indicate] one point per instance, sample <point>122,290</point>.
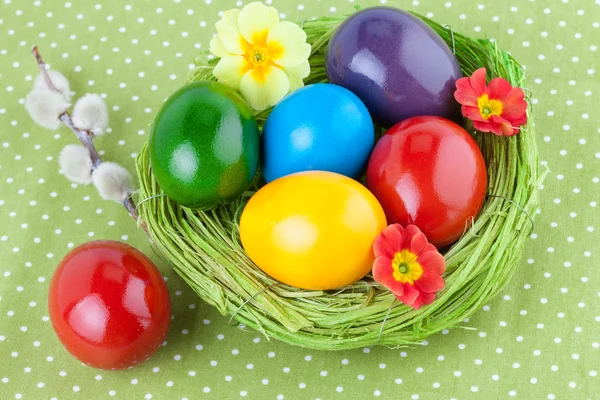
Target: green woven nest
<point>204,246</point>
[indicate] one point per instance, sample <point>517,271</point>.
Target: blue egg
<point>321,127</point>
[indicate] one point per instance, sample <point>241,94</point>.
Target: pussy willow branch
<point>84,136</point>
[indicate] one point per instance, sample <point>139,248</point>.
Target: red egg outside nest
<point>109,305</point>
<point>428,171</point>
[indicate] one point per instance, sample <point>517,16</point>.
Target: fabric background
<point>539,339</point>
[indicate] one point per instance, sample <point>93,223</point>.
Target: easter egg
<point>395,63</point>
<point>319,127</point>
<point>109,305</point>
<point>428,171</point>
<point>204,145</point>
<point>312,230</point>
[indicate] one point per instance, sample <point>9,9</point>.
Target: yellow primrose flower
<point>262,57</point>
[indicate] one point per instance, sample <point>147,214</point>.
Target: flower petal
<point>264,87</point>
<point>297,75</point>
<point>430,247</point>
<point>383,247</point>
<point>496,119</point>
<point>465,94</point>
<point>472,113</point>
<point>477,81</point>
<point>229,32</point>
<point>418,244</point>
<point>514,104</point>
<point>382,266</point>
<point>383,273</point>
<point>256,20</point>
<point>508,129</point>
<point>409,296</point>
<point>487,126</point>
<point>498,88</point>
<point>430,282</point>
<point>522,120</point>
<point>389,241</point>
<point>427,298</point>
<point>432,261</point>
<point>409,232</point>
<point>418,303</point>
<point>218,48</point>
<point>287,44</point>
<point>230,70</point>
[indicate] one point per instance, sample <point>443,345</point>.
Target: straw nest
<point>204,246</point>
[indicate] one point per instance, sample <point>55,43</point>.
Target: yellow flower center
<point>406,268</point>
<point>488,107</point>
<point>259,55</point>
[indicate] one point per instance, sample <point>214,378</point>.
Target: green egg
<point>204,145</point>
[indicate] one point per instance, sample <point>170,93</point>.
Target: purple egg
<point>396,64</point>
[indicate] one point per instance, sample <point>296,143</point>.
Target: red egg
<point>428,171</point>
<point>109,305</point>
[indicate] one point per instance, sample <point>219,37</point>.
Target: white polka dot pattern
<point>539,338</point>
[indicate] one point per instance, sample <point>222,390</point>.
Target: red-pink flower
<point>408,265</point>
<point>497,107</point>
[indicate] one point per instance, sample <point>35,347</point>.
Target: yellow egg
<point>312,230</point>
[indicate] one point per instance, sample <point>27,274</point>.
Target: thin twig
<point>42,65</point>
<point>84,136</point>
<point>130,206</point>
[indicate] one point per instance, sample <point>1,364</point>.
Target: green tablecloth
<point>539,339</point>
